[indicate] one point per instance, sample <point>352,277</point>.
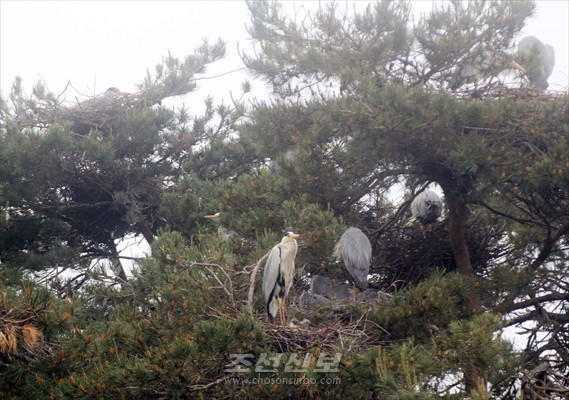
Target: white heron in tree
<point>427,207</point>
<point>354,249</point>
<point>278,276</point>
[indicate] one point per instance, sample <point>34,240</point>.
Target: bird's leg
<point>282,312</point>
<point>353,293</point>
<point>279,301</point>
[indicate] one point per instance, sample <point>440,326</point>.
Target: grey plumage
<point>278,275</point>
<point>538,59</point>
<point>321,285</point>
<point>275,166</point>
<point>354,248</point>
<point>473,70</point>
<point>308,299</point>
<point>340,292</point>
<point>427,207</point>
<point>224,234</point>
<point>534,58</point>
<point>325,287</point>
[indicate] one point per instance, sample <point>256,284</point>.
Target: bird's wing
<point>356,254</point>
<point>548,60</point>
<point>272,268</point>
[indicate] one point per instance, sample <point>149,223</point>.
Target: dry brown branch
<point>543,382</point>
<point>253,276</point>
<point>227,287</point>
<point>207,385</point>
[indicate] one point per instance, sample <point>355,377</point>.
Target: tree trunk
<point>145,230</point>
<point>457,217</point>
<point>473,377</point>
<point>117,266</point>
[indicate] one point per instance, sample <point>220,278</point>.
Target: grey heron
<point>115,91</point>
<point>100,112</point>
<point>537,59</point>
<point>354,249</point>
<point>224,234</point>
<point>324,286</point>
<point>427,207</point>
<point>533,58</point>
<point>278,276</point>
<point>274,165</point>
<point>471,71</point>
<point>321,285</point>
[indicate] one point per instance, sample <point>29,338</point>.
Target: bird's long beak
<point>514,64</point>
<point>214,216</point>
<point>294,236</point>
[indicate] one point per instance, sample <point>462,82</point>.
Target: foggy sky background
<point>94,45</point>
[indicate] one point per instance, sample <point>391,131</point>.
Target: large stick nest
<point>332,326</point>
<point>103,111</point>
<point>327,336</point>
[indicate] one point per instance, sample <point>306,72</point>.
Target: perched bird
<point>340,292</point>
<point>325,287</point>
<point>354,249</point>
<point>533,58</point>
<point>224,234</point>
<point>321,285</point>
<point>308,299</point>
<point>115,92</point>
<point>278,276</point>
<point>537,60</point>
<point>275,165</point>
<point>472,71</point>
<point>427,207</point>
<point>101,112</point>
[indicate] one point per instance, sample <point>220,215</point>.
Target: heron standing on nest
<point>427,207</point>
<point>533,58</point>
<point>537,59</point>
<point>278,276</point>
<point>354,249</point>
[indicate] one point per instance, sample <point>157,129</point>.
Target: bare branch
<point>253,276</point>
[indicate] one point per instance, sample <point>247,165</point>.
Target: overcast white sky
<point>98,44</point>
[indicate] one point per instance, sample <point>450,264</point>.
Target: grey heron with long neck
<point>278,276</point>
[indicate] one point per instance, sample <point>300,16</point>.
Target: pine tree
<point>79,177</point>
<point>365,104</point>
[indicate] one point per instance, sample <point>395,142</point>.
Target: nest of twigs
<point>513,93</point>
<point>330,335</point>
<point>103,111</point>
<point>329,327</point>
<point>409,254</point>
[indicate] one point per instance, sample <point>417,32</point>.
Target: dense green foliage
<point>365,105</point>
